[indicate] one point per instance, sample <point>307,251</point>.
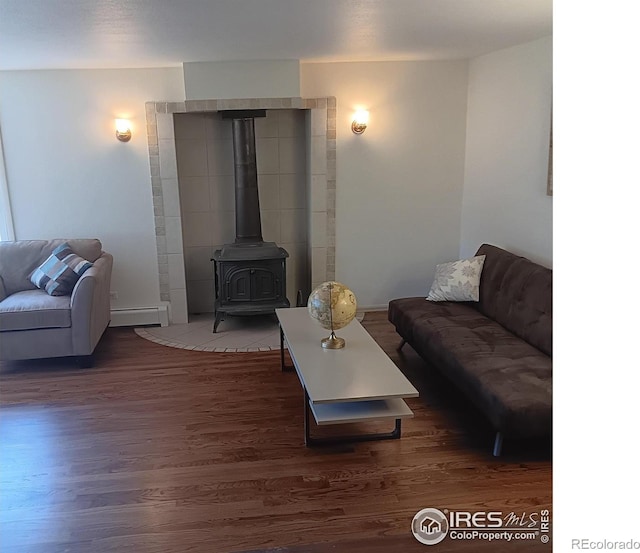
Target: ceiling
<point>48,34</point>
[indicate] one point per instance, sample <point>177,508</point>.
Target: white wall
<point>508,122</point>
<point>241,79</point>
<point>68,175</point>
<point>399,185</point>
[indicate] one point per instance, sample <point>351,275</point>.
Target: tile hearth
<point>235,334</point>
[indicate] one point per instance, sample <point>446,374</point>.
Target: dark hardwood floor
<point>157,449</point>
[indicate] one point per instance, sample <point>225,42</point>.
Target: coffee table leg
<point>310,441</point>
<point>283,367</point>
<point>397,431</point>
<point>281,349</point>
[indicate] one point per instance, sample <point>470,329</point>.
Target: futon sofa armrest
<point>91,306</point>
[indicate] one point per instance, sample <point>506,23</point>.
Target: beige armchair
<point>34,324</point>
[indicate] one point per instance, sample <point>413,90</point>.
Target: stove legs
<point>497,445</point>
<point>219,317</point>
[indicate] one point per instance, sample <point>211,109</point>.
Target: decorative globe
<point>333,305</point>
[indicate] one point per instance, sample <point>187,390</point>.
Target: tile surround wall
<point>320,124</point>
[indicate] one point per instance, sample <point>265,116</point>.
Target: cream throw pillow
<point>458,280</point>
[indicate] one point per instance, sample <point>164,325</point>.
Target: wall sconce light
<point>360,120</point>
<point>123,130</point>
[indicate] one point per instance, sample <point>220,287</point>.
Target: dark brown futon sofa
<point>496,351</point>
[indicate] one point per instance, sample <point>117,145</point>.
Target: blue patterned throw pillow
<point>59,273</point>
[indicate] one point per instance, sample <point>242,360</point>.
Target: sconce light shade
<point>360,120</point>
<point>123,130</point>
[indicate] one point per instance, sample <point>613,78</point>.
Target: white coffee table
<point>354,384</point>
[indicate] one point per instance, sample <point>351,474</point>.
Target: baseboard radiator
<point>140,316</point>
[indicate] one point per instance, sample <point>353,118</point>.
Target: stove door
<point>253,283</point>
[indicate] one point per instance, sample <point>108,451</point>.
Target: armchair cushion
<point>61,270</point>
<point>32,309</point>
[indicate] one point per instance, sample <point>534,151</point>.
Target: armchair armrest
<point>91,306</point>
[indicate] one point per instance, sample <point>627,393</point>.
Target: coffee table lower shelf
<point>352,412</point>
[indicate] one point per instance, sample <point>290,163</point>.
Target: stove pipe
<point>247,202</point>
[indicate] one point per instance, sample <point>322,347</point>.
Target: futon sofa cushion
<point>507,378</point>
<point>34,309</point>
<point>517,294</point>
<point>405,312</point>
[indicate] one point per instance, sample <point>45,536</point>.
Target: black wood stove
<point>250,274</point>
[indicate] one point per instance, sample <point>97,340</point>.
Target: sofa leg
<point>497,445</point>
<point>401,344</point>
<point>84,361</point>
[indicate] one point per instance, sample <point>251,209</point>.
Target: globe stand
<point>332,342</point>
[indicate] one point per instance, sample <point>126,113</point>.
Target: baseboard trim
<point>140,316</point>
<point>159,315</point>
<point>382,307</point>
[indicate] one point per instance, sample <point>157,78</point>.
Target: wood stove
<point>250,274</point>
